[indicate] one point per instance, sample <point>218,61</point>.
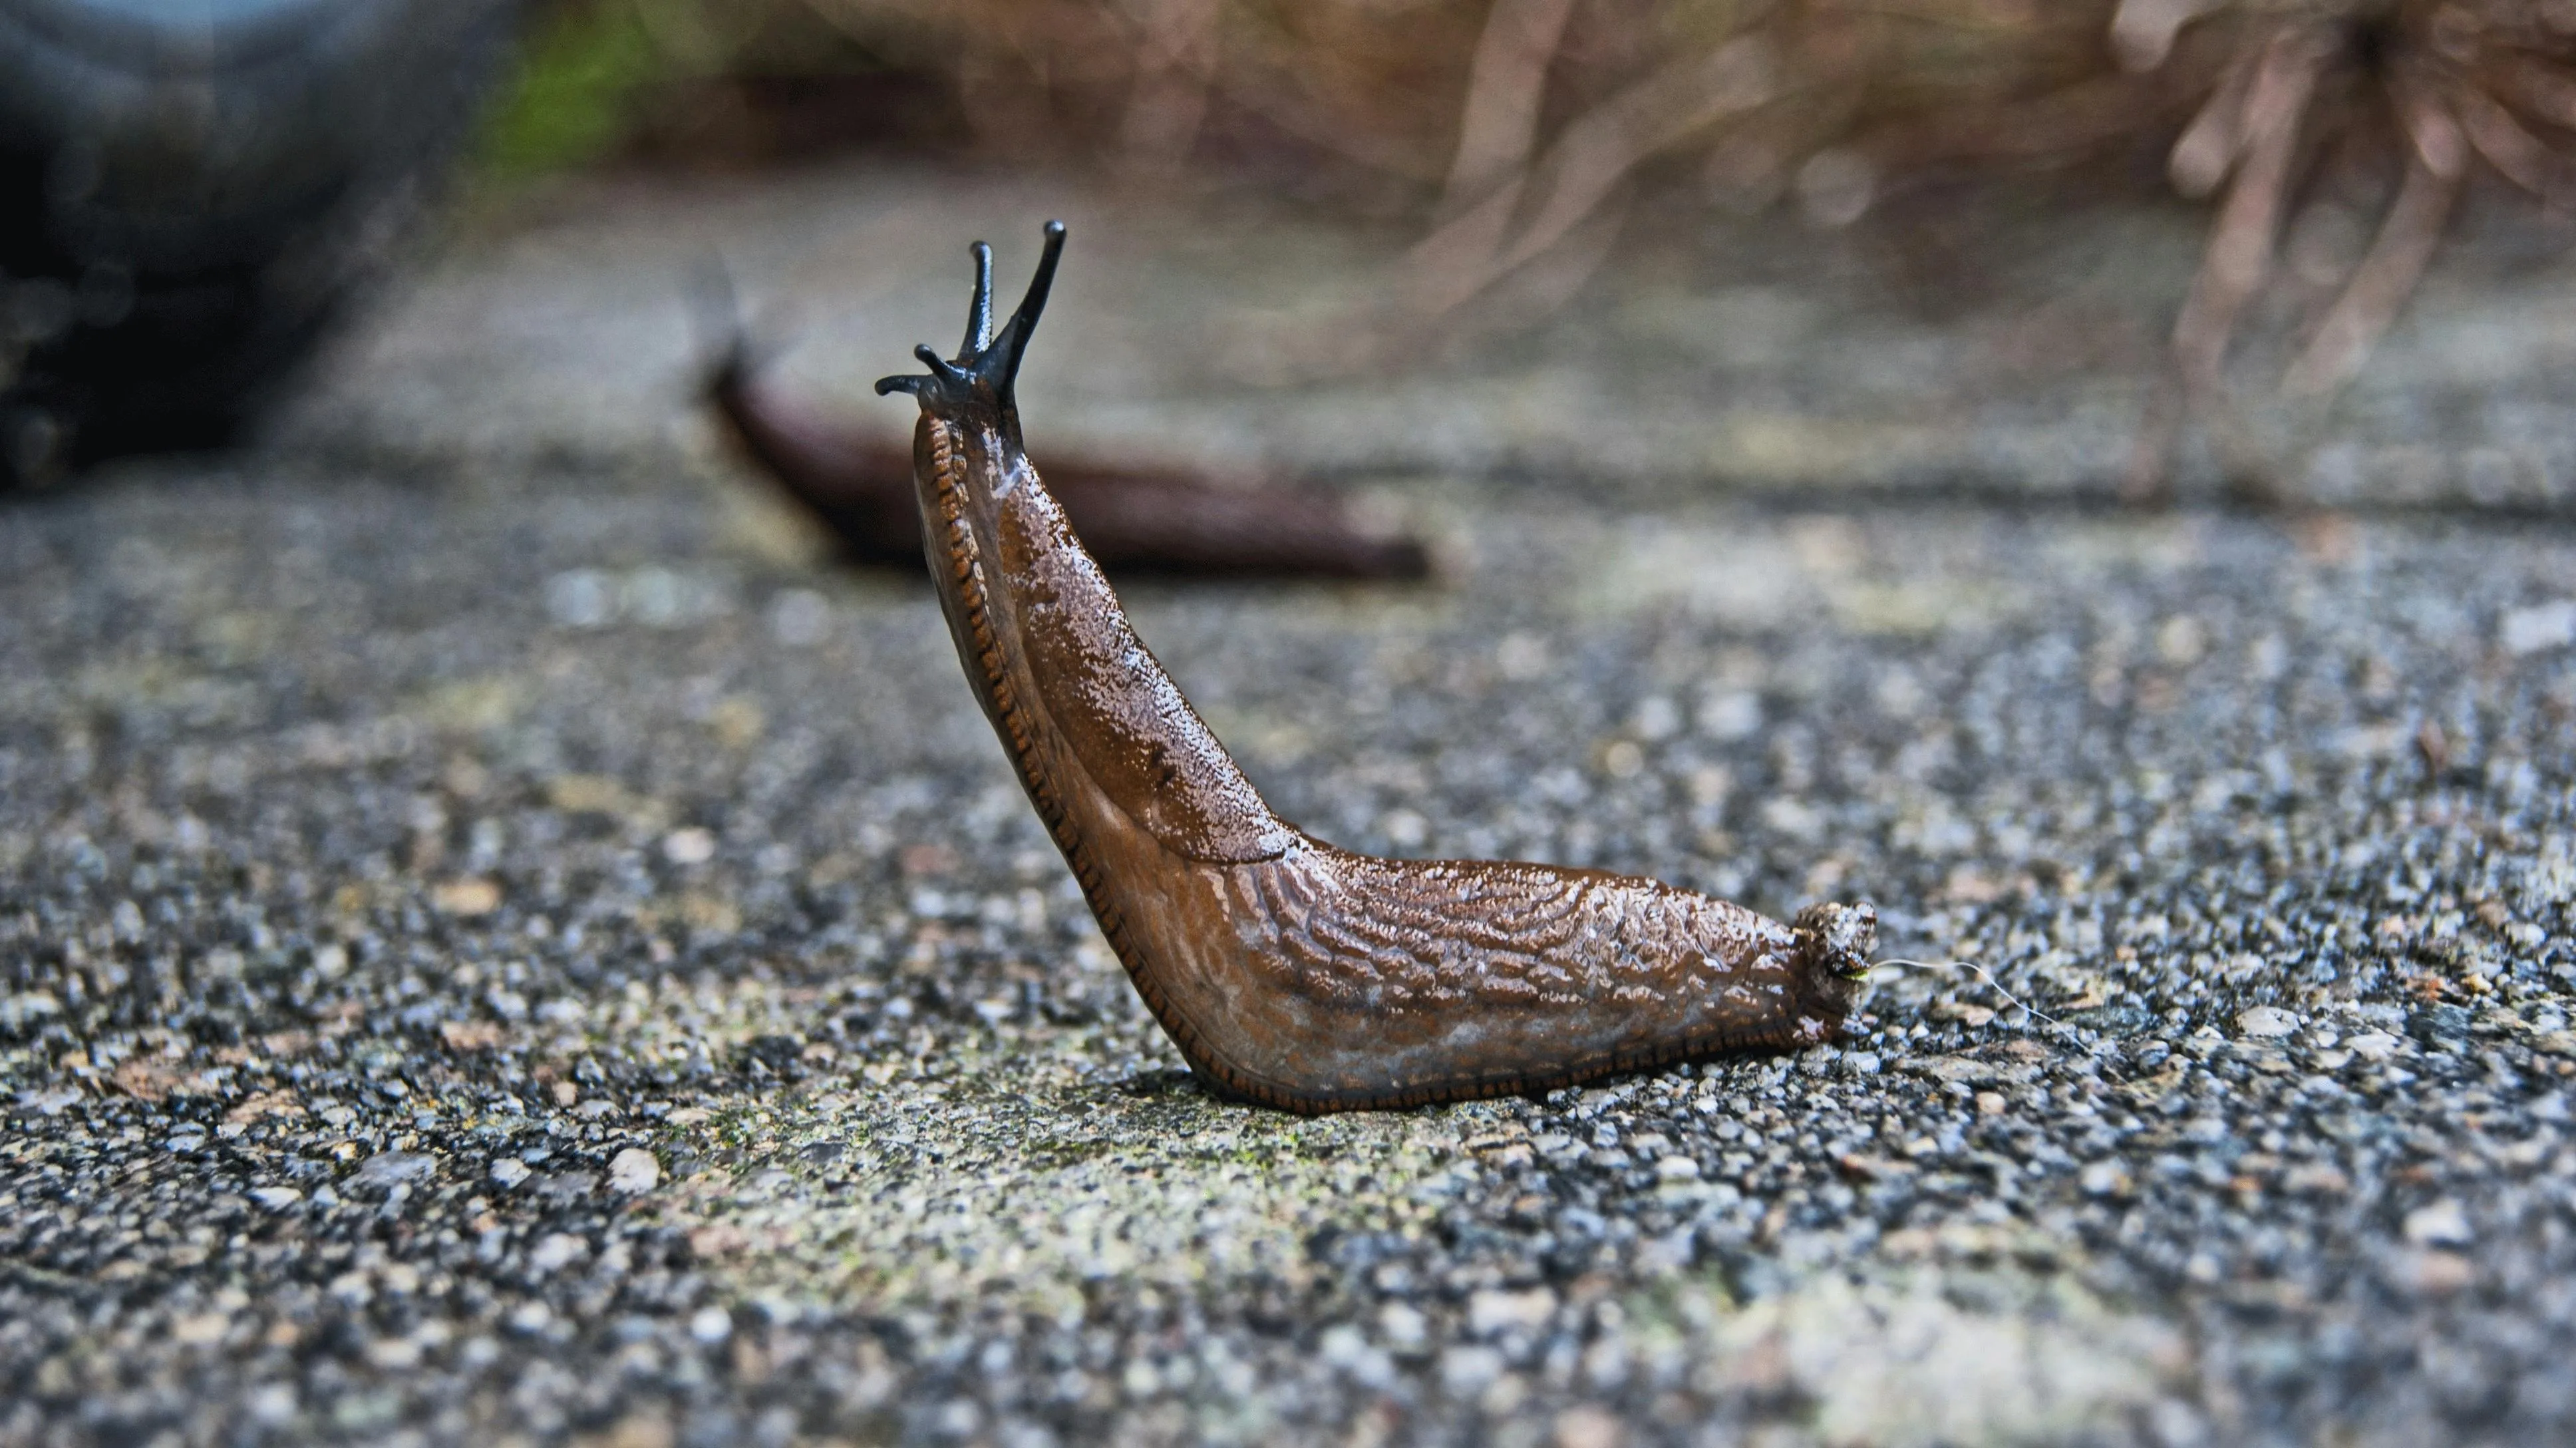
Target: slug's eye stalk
<point>988,366</point>
<point>732,359</point>
<point>979,312</point>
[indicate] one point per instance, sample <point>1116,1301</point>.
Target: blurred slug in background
<point>1289,972</point>
<point>1136,519</point>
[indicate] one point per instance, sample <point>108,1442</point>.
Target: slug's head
<point>1834,944</point>
<point>977,385</point>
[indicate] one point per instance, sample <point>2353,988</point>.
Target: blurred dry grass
<point>1515,133</point>
<point>1442,97</point>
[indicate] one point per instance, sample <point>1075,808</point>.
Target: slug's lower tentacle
<point>1290,972</point>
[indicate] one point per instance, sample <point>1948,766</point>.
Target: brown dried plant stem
<point>2379,286</point>
<point>1589,160</point>
<point>2264,134</point>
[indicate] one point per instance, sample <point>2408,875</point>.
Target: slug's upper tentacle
<point>979,313</point>
<point>1288,971</point>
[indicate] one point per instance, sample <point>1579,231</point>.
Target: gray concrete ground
<point>501,944</point>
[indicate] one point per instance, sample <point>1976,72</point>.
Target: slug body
<point>1134,519</point>
<point>1289,972</point>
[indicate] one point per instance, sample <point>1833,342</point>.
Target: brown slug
<point>1134,519</point>
<point>1289,972</point>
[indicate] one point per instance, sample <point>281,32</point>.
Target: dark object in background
<point>1134,519</point>
<point>188,192</point>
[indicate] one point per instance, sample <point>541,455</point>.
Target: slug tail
<point>1834,944</point>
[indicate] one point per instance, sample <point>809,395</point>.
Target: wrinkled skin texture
<point>1289,972</point>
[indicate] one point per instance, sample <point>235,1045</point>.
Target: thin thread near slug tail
<point>1988,975</point>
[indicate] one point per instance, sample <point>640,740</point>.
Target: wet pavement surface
<point>498,942</point>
